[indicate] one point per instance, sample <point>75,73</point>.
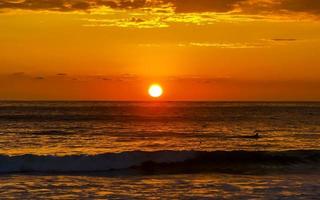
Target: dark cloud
<point>180,6</point>
<point>247,6</point>
<point>284,39</point>
<point>18,74</point>
<point>137,20</point>
<point>54,5</point>
<point>61,74</point>
<point>185,6</point>
<point>39,78</point>
<point>310,6</point>
<point>71,5</point>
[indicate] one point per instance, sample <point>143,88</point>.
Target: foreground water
<point>197,186</point>
<point>127,150</point>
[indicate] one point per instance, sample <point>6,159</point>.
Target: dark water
<point>164,142</point>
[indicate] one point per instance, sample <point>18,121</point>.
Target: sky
<point>217,50</point>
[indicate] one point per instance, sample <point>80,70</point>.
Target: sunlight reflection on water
<point>205,186</point>
<point>99,127</point>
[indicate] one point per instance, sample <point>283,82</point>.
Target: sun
<point>155,90</point>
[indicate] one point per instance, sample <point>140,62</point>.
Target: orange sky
<point>197,49</point>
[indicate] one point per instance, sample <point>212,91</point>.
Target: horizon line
<point>159,101</point>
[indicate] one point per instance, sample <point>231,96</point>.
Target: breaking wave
<point>166,162</point>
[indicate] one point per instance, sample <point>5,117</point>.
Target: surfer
<point>255,136</point>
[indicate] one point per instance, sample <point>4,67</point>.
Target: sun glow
<point>155,90</point>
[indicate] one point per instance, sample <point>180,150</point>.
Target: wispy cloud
<point>262,43</point>
<point>284,39</point>
<point>125,23</point>
<point>228,45</point>
<point>64,76</point>
<point>132,78</point>
<point>39,78</point>
<point>61,74</point>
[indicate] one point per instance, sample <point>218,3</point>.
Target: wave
<point>166,162</point>
<point>52,132</point>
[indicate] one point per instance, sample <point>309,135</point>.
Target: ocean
<point>159,150</point>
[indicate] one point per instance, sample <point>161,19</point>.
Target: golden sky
<point>197,49</point>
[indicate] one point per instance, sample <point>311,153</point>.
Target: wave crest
<point>165,162</point>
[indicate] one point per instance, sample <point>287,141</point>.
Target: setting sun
<point>155,90</point>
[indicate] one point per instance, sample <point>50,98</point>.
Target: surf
<point>159,162</point>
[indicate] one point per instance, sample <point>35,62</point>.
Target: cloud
<point>116,78</point>
<point>201,80</point>
<point>185,6</point>
<point>228,45</point>
<point>262,43</point>
<point>165,13</point>
<point>284,39</point>
<point>61,74</point>
<point>126,23</point>
<point>180,6</point>
<point>22,76</point>
<point>39,78</point>
<point>310,6</point>
<point>73,5</point>
<point>56,5</point>
<point>17,74</point>
<point>247,6</point>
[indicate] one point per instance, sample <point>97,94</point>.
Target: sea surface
<point>159,150</point>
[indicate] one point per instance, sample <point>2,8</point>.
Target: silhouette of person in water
<point>255,136</point>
